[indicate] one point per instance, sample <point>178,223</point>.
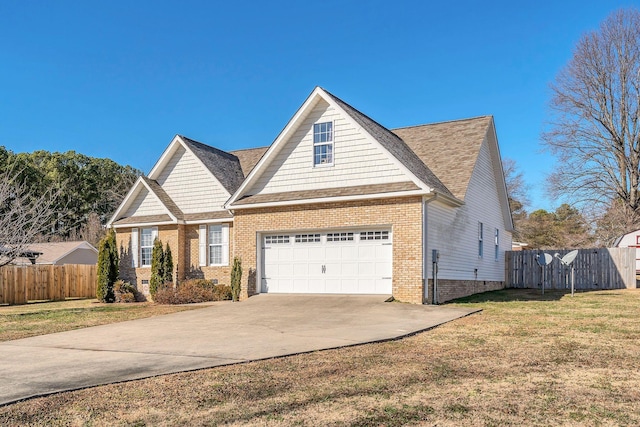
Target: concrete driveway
<point>224,333</point>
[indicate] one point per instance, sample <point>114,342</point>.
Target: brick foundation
<point>451,289</point>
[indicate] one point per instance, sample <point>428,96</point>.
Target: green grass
<point>40,318</point>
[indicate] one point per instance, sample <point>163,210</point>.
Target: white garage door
<point>333,262</point>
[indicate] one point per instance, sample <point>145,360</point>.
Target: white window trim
<point>154,236</point>
<point>496,238</point>
<point>204,245</point>
<point>317,144</point>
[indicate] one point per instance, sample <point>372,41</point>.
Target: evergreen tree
<point>168,265</point>
<point>107,267</point>
<point>157,267</point>
<point>236,278</point>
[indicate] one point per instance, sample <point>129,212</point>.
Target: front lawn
<point>40,318</point>
<point>522,361</point>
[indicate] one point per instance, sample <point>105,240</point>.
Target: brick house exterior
<point>337,204</point>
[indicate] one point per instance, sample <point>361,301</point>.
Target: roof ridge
<point>444,122</point>
<point>206,146</point>
<point>246,149</point>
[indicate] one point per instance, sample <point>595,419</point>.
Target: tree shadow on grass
<point>510,295</point>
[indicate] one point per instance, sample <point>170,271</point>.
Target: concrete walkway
<point>262,327</point>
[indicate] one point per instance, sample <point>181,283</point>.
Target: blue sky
<point>119,79</point>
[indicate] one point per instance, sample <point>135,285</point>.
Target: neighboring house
<point>630,240</point>
<point>60,253</point>
<point>337,204</point>
<point>519,246</point>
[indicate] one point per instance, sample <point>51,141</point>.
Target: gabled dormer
<point>329,150</point>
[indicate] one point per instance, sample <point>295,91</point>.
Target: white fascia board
<point>144,224</point>
<point>498,171</point>
<point>291,126</point>
<point>371,139</point>
<point>164,158</point>
<point>208,221</point>
<point>160,201</point>
<point>125,202</point>
<point>332,199</point>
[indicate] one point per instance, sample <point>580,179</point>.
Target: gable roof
<point>395,145</point>
<point>249,157</point>
<point>398,151</point>
<point>224,166</point>
<point>164,198</point>
<point>52,252</point>
<point>449,149</point>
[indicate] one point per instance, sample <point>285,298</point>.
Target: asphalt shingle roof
<point>224,166</point>
<point>449,149</point>
<point>395,145</point>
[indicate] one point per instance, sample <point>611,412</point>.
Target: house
<point>630,240</point>
<point>336,204</point>
<point>60,253</point>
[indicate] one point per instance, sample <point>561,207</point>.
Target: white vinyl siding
<point>213,245</point>
<point>190,185</point>
<point>356,159</point>
<point>454,231</point>
<point>145,203</point>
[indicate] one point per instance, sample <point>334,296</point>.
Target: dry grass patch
<point>522,361</point>
<point>22,321</point>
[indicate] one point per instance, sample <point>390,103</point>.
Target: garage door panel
<point>338,263</point>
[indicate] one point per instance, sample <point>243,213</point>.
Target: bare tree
<point>595,126</point>
<point>518,193</point>
<point>24,216</point>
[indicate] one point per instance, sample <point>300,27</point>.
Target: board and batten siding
<point>145,203</point>
<point>454,231</point>
<point>190,185</point>
<point>357,160</point>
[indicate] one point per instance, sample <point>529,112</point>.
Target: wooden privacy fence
<point>20,284</point>
<point>601,268</point>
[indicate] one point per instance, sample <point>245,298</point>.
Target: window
<point>146,246</point>
<point>339,237</point>
<point>307,238</point>
<point>271,240</point>
<point>496,241</point>
<point>323,143</point>
<point>215,245</point>
<point>480,237</point>
<point>374,235</point>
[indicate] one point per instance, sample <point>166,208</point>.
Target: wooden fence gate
<point>601,268</point>
<point>20,284</point>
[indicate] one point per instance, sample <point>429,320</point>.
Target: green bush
<point>192,291</point>
<point>236,278</point>
<point>108,266</point>
<point>157,268</point>
<point>124,291</point>
<point>167,265</point>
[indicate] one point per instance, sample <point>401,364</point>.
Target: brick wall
<point>184,243</point>
<point>451,289</point>
<point>403,215</point>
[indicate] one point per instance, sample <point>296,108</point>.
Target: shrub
<point>167,265</point>
<point>192,291</point>
<point>157,268</point>
<point>107,267</point>
<point>236,278</point>
<point>124,291</point>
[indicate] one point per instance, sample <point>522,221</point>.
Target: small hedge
<point>192,291</point>
<point>125,292</point>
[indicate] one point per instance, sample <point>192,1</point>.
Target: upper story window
<point>147,236</point>
<point>323,143</point>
